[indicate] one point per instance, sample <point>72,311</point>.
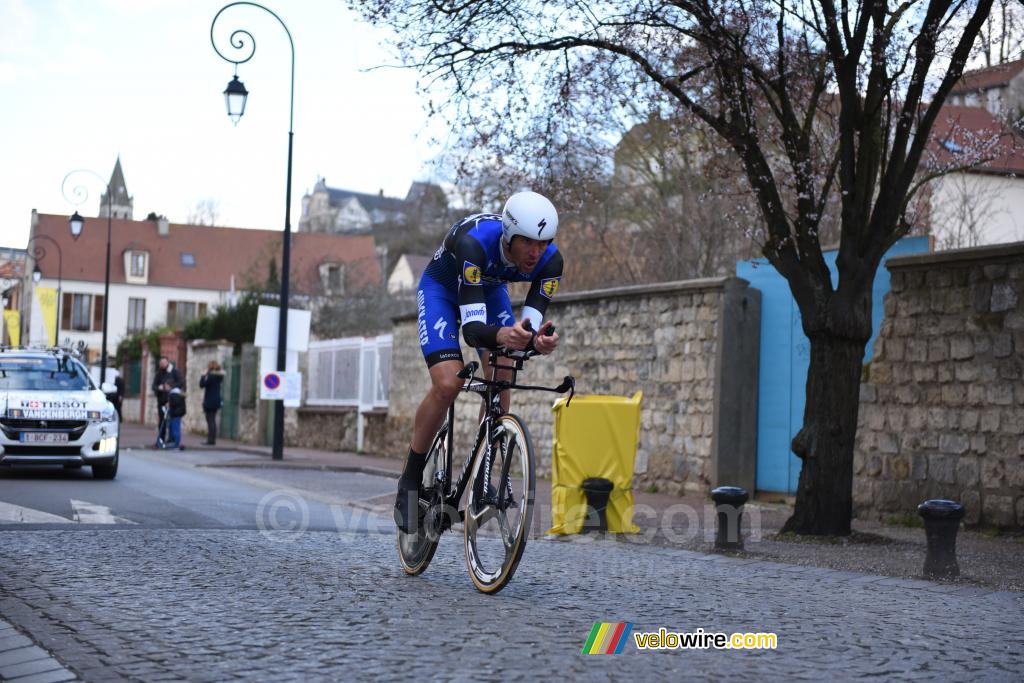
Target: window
<point>82,312</point>
<point>138,264</point>
<point>332,276</point>
<point>136,315</point>
<point>188,260</point>
<point>180,313</point>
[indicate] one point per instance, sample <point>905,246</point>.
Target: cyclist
<point>467,281</point>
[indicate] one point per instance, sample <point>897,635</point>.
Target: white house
<point>168,274</point>
<point>984,203</point>
<point>405,276</point>
<point>998,89</point>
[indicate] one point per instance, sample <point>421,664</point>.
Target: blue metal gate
<point>785,357</point>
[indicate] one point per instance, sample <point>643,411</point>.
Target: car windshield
<point>42,373</point>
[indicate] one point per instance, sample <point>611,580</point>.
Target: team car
<point>52,413</point>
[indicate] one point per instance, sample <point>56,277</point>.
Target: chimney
<point>163,226</point>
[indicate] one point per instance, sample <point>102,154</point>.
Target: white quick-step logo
<point>422,309</point>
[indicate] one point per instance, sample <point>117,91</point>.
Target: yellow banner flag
<point>13,321</point>
<point>47,298</point>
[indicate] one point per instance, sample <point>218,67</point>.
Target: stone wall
<point>662,340</point>
<point>942,404</point>
<point>200,353</point>
<point>326,427</point>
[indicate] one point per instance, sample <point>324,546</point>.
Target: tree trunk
<point>824,498</point>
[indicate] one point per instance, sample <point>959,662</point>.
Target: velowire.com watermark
<point>612,638</point>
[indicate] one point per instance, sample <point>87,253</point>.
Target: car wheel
<point>107,471</point>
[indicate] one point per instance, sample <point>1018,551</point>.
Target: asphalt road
<point>193,574</point>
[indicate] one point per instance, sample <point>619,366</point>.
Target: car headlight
<point>108,414</point>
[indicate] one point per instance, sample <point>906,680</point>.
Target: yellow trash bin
<point>596,436</point>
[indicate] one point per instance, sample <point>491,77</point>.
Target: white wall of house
<point>989,207</point>
<point>401,277</point>
<point>156,299</point>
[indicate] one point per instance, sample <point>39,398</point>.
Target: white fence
<point>354,371</point>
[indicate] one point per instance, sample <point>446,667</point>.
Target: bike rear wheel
<point>499,512</point>
<point>416,548</point>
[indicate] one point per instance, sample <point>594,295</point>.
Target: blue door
<point>785,357</point>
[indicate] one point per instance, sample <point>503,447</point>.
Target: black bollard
<point>597,491</point>
<point>941,522</point>
<point>729,502</point>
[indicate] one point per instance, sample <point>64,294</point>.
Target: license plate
<point>44,437</point>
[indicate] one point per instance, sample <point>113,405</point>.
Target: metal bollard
<point>941,522</point>
<point>597,491</point>
<point>729,502</point>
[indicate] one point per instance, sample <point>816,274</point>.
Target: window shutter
<point>97,312</point>
<point>202,310</point>
<point>172,311</point>
<point>65,311</point>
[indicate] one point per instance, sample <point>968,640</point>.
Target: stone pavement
<point>213,605</point>
<point>688,522</point>
<point>656,506</point>
<point>25,662</point>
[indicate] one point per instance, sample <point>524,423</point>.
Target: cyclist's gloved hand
<point>547,340</point>
<point>516,337</point>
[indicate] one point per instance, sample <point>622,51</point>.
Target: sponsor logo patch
<point>470,273</point>
<point>549,286</point>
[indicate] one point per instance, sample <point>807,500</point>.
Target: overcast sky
<point>83,81</point>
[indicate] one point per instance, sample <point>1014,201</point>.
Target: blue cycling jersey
<point>491,267</point>
<point>466,281</point>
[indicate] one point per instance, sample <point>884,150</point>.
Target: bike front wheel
<point>499,511</point>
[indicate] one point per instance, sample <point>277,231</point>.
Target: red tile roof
<point>990,77</point>
<point>219,254</point>
<point>962,132</point>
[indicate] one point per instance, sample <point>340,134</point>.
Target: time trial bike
<point>501,466</point>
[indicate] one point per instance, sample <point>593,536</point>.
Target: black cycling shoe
<point>407,505</point>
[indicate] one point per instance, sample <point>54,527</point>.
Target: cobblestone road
<point>154,604</point>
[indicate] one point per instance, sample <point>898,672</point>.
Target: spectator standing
<point>167,377</point>
<point>211,382</point>
<point>176,411</point>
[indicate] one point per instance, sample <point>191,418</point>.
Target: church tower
<point>121,203</point>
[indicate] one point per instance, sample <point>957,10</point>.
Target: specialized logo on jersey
<point>549,286</point>
<point>470,273</point>
<point>439,326</point>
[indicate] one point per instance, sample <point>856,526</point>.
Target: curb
<point>304,465</point>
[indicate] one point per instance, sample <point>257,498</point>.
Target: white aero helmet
<point>530,215</point>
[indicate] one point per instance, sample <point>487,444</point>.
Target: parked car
<point>52,413</point>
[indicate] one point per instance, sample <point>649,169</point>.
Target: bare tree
<point>527,78</point>
<point>1001,39</point>
<point>204,212</point>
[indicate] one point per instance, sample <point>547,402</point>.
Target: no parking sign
<point>277,386</point>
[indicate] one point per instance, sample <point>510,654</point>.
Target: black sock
<point>414,464</point>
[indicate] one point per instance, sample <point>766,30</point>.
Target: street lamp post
<point>235,96</point>
<point>38,253</point>
<point>76,223</point>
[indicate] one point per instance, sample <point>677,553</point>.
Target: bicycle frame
<point>490,393</point>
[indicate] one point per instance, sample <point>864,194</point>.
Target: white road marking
<point>90,513</point>
<point>15,513</point>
